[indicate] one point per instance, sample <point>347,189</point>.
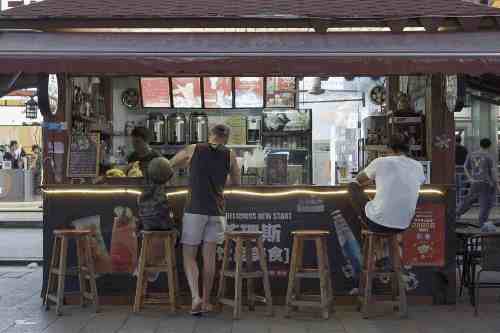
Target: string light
<point>285,193</point>
<point>93,191</point>
<point>234,192</point>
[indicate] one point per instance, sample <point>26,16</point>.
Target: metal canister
<point>198,128</point>
<point>156,125</point>
<point>176,129</point>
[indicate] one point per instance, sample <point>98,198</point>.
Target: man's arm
<point>234,170</point>
<point>181,159</point>
<point>366,176</point>
<point>363,179</point>
<point>466,170</point>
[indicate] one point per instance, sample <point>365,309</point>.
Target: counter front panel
<point>276,211</point>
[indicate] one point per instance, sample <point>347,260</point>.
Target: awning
<point>298,54</point>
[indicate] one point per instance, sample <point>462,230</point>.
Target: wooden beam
<point>470,24</point>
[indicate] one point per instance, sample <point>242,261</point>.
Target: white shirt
<point>398,180</point>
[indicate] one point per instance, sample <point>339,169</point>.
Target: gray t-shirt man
<point>480,169</point>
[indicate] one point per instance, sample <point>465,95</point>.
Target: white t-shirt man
<point>398,180</point>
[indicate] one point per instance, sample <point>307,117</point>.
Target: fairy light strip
<point>234,192</point>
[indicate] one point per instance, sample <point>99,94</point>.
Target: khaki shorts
<point>197,228</point>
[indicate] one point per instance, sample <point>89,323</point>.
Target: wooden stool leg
<point>222,280</point>
<point>403,306</point>
<point>328,274</point>
<point>169,248</point>
<point>89,263</point>
<point>140,286</point>
<point>300,263</point>
<point>61,275</point>
<point>249,268</point>
<point>81,269</point>
<point>51,283</point>
<point>265,277</point>
<point>238,280</point>
<point>322,278</point>
<point>174,263</point>
<point>292,275</point>
<point>367,292</point>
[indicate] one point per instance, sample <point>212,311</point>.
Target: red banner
<point>423,243</point>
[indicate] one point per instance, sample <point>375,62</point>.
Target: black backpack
<point>154,211</point>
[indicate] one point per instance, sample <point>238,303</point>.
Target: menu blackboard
<point>83,157</point>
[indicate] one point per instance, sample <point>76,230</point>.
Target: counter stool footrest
<point>249,275</point>
<point>156,268</point>
<point>52,298</point>
<point>308,275</point>
<point>227,301</point>
<point>310,304</point>
<point>55,271</point>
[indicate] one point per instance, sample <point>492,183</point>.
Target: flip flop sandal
<point>197,311</point>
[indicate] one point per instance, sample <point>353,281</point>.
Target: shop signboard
<point>424,242</point>
<point>155,92</point>
<point>218,92</point>
<point>249,92</point>
<point>186,92</point>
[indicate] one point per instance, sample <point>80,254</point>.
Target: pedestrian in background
<point>480,170</point>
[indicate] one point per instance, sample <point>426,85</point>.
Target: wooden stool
<point>57,269</point>
<point>294,298</point>
<point>369,272</point>
<point>170,267</point>
<point>244,239</point>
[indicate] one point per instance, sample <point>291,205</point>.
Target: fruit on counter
<point>135,171</point>
<point>115,173</point>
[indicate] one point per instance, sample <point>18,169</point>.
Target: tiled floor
<point>21,311</point>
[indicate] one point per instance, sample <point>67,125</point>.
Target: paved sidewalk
<point>20,245</point>
<point>21,311</point>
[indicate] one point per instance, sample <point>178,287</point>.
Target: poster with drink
<point>155,92</point>
<point>424,243</point>
<point>186,92</point>
<point>218,92</point>
<point>280,92</point>
<point>249,92</point>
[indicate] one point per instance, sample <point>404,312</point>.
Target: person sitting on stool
<point>398,179</point>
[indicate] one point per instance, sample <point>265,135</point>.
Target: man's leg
<point>469,200</point>
<point>192,232</point>
<point>214,228</point>
<point>359,199</point>
<point>192,274</point>
<point>487,197</point>
<point>209,249</point>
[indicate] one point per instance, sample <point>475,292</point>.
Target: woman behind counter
<point>142,153</point>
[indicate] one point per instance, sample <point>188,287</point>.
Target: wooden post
<point>441,128</point>
<point>440,124</point>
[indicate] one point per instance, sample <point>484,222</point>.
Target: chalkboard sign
<point>83,157</point>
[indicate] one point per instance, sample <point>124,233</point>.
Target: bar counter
<point>428,246</point>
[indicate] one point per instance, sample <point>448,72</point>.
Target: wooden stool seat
<point>370,272</point>
<point>169,266</point>
<point>72,232</point>
<point>294,297</point>
<point>243,240</point>
<point>58,267</point>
